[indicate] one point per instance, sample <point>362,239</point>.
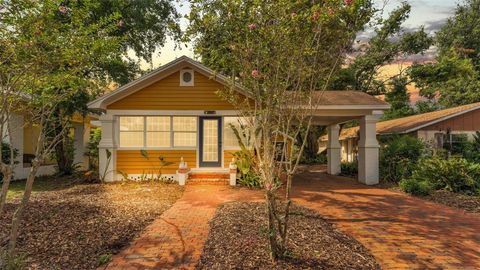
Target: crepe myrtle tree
<point>281,54</point>
<point>43,66</point>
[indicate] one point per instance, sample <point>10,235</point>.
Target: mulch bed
<point>237,240</point>
<point>468,203</point>
<point>73,228</point>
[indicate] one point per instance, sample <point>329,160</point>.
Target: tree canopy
<point>455,75</point>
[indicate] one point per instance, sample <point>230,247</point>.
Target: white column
<point>333,150</point>
<point>17,125</point>
<point>107,147</point>
<point>368,168</point>
<point>232,168</point>
<point>80,143</point>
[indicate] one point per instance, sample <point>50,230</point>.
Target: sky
<point>430,13</point>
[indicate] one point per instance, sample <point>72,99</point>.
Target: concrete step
<point>206,175</point>
<point>207,181</point>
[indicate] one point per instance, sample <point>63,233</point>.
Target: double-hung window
<point>158,131</point>
<point>184,131</point>
<point>132,131</point>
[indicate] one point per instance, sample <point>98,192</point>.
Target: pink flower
<point>293,14</point>
<point>252,26</point>
<point>348,2</point>
<point>315,15</point>
<point>63,9</point>
<point>254,73</point>
<point>268,186</point>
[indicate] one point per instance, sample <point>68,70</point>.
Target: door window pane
<point>210,140</point>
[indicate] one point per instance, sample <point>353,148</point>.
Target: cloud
<point>434,26</point>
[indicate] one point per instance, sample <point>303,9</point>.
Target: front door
<point>210,141</point>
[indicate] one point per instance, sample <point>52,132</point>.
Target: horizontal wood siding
<point>132,162</point>
<point>167,94</point>
<point>466,122</point>
<point>227,157</point>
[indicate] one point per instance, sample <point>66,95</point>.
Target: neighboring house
<point>434,128</point>
<point>175,113</point>
<point>24,140</point>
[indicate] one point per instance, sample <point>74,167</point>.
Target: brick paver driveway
<point>401,232</point>
<point>176,239</point>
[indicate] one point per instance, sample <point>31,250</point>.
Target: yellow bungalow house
<point>174,112</point>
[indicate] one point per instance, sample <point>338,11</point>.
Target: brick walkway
<point>176,239</point>
<point>401,232</point>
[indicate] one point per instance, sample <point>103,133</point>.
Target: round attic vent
<point>187,76</point>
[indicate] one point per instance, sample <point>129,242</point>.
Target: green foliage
<point>462,32</point>
<point>398,156</point>
<point>316,159</point>
<point>399,99</point>
<point>388,43</point>
<point>157,167</point>
<point>104,258</point>
<point>349,168</point>
<point>454,174</point>
<point>416,187</point>
<point>244,160</point>
<point>6,152</point>
<point>455,75</point>
<point>92,148</point>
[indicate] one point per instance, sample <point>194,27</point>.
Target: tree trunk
<point>272,228</point>
<point>18,215</point>
<point>62,158</point>
<point>7,175</point>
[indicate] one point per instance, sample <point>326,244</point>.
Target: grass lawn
<point>70,224</point>
<point>44,183</point>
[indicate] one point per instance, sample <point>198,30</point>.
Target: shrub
<point>349,168</point>
<point>398,157</point>
<point>92,148</point>
<point>415,187</point>
<point>317,159</point>
<point>244,160</point>
<point>454,174</point>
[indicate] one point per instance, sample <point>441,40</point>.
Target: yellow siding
<point>167,94</point>
<point>30,137</point>
<point>132,162</point>
<point>227,157</point>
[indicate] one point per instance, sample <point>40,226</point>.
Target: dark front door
<point>210,141</point>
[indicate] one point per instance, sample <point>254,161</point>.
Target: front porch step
<point>206,175</point>
<point>208,178</point>
<point>208,181</point>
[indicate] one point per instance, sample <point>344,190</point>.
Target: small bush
<point>454,174</point>
<point>317,159</point>
<point>399,155</point>
<point>415,187</point>
<point>349,168</point>
<point>104,258</point>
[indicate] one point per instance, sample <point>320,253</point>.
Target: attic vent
<point>186,77</point>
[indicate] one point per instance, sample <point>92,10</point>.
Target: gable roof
<point>411,123</point>
<point>328,99</point>
<point>156,75</point>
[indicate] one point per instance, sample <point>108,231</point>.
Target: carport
<point>337,107</point>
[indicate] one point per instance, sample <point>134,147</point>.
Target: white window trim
<point>191,82</point>
<point>145,147</point>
